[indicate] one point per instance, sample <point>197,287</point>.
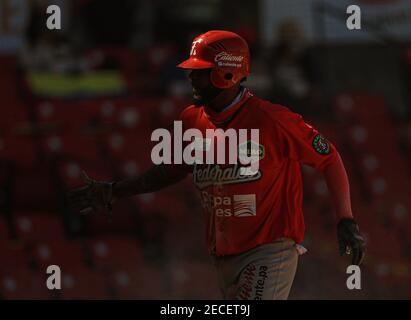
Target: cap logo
<point>193,51</point>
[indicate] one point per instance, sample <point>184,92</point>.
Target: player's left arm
<point>303,143</point>
<point>350,240</point>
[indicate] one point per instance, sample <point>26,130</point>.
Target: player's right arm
<point>97,195</point>
<point>154,179</point>
<point>100,194</point>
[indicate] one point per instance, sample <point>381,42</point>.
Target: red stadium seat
<point>112,252</point>
<point>395,211</point>
<point>157,55</point>
<point>8,78</point>
<point>14,117</point>
<point>61,253</point>
<point>130,147</point>
<point>362,136</point>
<point>389,275</point>
<point>400,210</point>
<point>407,138</point>
<point>167,110</point>
<point>20,150</point>
<point>79,282</point>
<point>126,113</point>
<point>66,115</point>
<point>21,283</point>
<point>144,282</point>
<point>187,284</point>
<point>131,114</point>
<point>34,189</point>
<point>344,107</point>
<point>78,146</point>
<point>161,203</point>
<point>4,232</point>
<point>363,108</point>
<point>372,109</point>
<point>376,244</point>
<point>130,168</point>
<point>13,256</point>
<point>36,227</point>
<point>381,177</point>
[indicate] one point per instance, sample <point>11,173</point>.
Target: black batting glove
<point>350,240</point>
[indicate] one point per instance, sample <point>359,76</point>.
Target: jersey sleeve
<point>302,142</point>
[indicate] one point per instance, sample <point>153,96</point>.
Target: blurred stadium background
<point>88,97</point>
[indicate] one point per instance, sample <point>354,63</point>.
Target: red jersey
<point>242,212</point>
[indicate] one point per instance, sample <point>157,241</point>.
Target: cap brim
<point>195,63</point>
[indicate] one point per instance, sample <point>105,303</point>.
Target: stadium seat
<point>161,203</point>
<point>344,107</point>
<point>33,227</point>
<point>130,167</point>
<point>361,107</point>
<point>60,253</point>
<point>407,138</point>
<point>75,145</point>
<point>127,148</point>
<point>360,136</point>
<point>131,114</point>
<point>66,115</point>
<point>34,190</point>
<point>20,150</point>
<point>157,55</point>
<point>79,282</point>
<point>21,283</point>
<point>144,282</point>
<point>13,256</point>
<point>377,239</point>
<point>14,117</point>
<point>9,78</point>
<point>167,110</point>
<point>4,232</point>
<point>111,252</point>
<point>187,284</point>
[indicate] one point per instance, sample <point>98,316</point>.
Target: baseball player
<point>254,223</point>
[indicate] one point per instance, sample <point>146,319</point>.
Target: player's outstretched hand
<point>92,197</point>
<point>350,240</point>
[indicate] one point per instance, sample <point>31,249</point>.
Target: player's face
<point>203,89</point>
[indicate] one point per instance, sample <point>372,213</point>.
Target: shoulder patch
<point>321,145</point>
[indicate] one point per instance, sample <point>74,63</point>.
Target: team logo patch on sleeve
<point>321,145</point>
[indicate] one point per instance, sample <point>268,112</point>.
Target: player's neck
<point>225,98</point>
